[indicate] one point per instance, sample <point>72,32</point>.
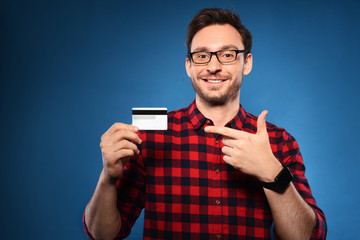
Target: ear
<point>248,64</point>
<point>188,66</point>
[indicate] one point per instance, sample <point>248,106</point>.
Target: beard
<point>230,94</point>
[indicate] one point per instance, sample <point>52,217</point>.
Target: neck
<point>219,114</point>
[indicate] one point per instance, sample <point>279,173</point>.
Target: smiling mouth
<point>214,80</point>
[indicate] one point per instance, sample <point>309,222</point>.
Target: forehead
<point>215,37</point>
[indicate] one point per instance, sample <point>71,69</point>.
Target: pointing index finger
<point>225,131</point>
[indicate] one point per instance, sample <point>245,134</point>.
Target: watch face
<point>281,182</point>
<point>283,179</point>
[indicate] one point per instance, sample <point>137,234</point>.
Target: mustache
<point>219,76</point>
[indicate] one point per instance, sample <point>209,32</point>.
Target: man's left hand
<point>249,153</point>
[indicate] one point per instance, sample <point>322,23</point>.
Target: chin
<point>215,100</point>
<point>216,97</point>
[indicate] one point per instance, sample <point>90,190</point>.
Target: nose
<point>214,65</point>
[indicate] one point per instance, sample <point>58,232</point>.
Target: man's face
<point>218,83</point>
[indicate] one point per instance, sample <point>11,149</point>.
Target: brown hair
<point>211,16</point>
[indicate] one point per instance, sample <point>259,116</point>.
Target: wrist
<point>106,180</point>
<point>271,172</point>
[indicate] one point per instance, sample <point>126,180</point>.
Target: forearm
<point>293,217</point>
<point>102,216</point>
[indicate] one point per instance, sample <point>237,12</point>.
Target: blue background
<point>70,69</point>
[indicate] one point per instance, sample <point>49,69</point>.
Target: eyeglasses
<point>223,56</point>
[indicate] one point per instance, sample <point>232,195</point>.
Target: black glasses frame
<point>190,55</point>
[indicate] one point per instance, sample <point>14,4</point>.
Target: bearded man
<point>218,172</point>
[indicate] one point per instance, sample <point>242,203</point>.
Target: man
<point>217,172</point>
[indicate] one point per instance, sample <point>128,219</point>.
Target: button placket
<point>216,186</point>
<point>217,139</point>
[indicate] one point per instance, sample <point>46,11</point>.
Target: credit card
<point>150,118</point>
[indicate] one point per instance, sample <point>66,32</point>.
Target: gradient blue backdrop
<point>70,69</point>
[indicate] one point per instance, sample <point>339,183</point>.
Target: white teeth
<point>214,81</point>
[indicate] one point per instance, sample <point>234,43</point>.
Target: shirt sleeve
<point>131,194</point>
<point>293,160</point>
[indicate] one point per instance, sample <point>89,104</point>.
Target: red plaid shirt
<point>189,192</point>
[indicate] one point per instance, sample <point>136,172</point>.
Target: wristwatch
<point>281,182</point>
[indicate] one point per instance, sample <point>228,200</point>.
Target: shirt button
<point>208,122</point>
<point>217,202</point>
<point>217,170</point>
<point>218,236</point>
<point>217,141</point>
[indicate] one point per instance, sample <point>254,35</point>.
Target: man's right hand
<point>117,146</point>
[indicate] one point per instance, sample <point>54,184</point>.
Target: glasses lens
<point>201,57</point>
<point>226,56</point>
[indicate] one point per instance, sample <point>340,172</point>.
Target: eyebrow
<point>225,47</point>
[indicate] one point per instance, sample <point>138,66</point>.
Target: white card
<point>150,118</point>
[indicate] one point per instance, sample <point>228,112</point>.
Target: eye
<point>201,55</point>
<point>228,54</point>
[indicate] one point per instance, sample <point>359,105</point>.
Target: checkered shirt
<point>189,192</point>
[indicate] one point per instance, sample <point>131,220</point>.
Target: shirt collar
<point>197,119</point>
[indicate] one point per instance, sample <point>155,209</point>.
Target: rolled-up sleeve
<point>130,196</point>
<point>293,159</point>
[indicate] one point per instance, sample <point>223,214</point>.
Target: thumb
<point>261,124</point>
